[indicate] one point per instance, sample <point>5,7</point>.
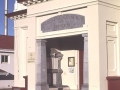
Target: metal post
<point>6,19</point>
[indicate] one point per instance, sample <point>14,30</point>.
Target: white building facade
<point>79,37</point>
<point>6,61</point>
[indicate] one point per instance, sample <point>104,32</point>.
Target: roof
<point>16,13</point>
<point>6,42</point>
<point>21,1</point>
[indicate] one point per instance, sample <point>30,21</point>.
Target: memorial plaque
<point>31,57</point>
<point>71,61</point>
<point>62,22</point>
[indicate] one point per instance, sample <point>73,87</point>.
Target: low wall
<point>6,83</point>
<point>113,82</point>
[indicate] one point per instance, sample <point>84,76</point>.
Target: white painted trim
<point>7,50</point>
<point>118,49</point>
<point>81,5</point>
<point>62,33</point>
<point>109,5</point>
<point>78,69</point>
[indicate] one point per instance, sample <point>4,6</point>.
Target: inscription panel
<point>111,29</point>
<point>112,56</point>
<point>62,22</point>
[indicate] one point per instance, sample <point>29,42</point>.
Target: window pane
<point>2,59</point>
<point>6,58</point>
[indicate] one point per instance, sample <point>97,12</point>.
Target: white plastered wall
<point>112,2</point>
<point>8,67</point>
<point>21,30</point>
<point>96,21</point>
<point>51,5</point>
<point>24,44</point>
<point>110,14</point>
<point>54,34</point>
<point>97,47</point>
<point>25,31</point>
<point>31,34</point>
<point>31,48</point>
<point>68,78</point>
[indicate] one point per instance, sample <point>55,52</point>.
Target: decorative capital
<point>85,35</point>
<point>32,2</point>
<point>52,55</point>
<point>24,27</point>
<point>16,28</point>
<point>41,42</point>
<point>59,56</point>
<point>17,17</point>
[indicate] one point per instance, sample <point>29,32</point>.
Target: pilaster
<point>41,66</point>
<point>85,85</point>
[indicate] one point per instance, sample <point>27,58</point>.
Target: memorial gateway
<point>66,44</point>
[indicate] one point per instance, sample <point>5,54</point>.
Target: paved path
<point>6,89</point>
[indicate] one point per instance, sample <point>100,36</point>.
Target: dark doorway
<point>68,43</point>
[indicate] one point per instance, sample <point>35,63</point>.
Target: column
<point>85,85</point>
<point>59,76</point>
<point>41,66</point>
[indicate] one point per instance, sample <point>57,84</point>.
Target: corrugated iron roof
<point>6,42</point>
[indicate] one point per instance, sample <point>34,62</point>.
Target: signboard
<point>31,57</point>
<point>71,69</point>
<point>71,61</point>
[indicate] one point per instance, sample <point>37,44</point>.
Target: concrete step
<point>6,89</point>
<point>64,88</point>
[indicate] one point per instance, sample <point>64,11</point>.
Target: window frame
<point>3,59</point>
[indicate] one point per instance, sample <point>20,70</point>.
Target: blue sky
<point>10,22</point>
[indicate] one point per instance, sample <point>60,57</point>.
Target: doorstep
<point>64,88</point>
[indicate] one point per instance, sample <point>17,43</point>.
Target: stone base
<point>60,88</point>
<point>45,87</point>
<point>85,87</point>
<point>42,87</point>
